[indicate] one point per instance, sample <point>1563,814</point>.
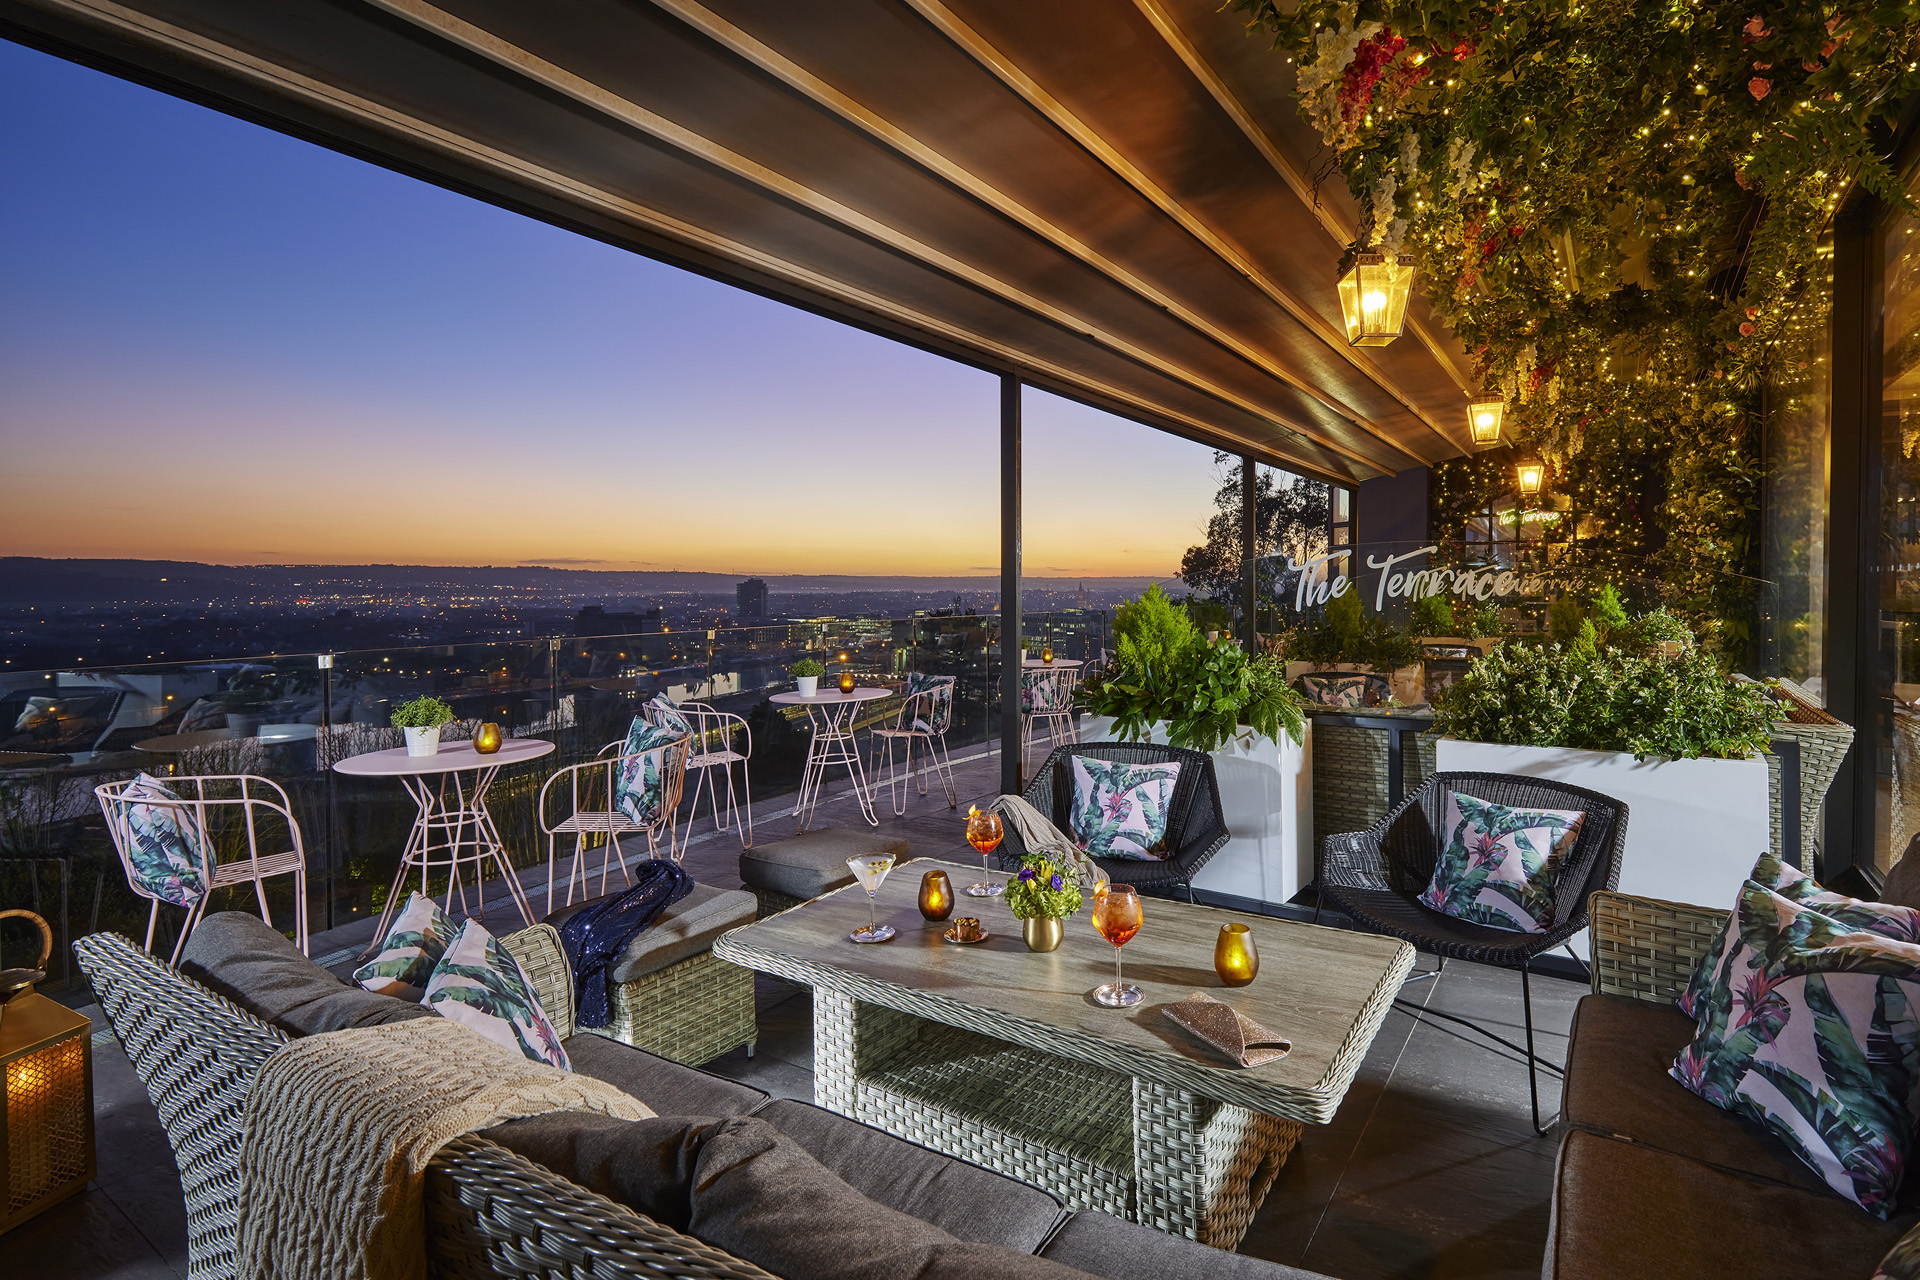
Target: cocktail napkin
<point>1228,1030</point>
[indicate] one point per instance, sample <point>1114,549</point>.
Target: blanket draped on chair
<point>597,935</point>
<point>339,1128</point>
<point>1038,834</point>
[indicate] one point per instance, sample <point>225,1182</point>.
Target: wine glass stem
<point>1116,971</point>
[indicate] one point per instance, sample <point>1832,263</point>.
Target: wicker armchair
<point>1376,876</point>
<point>489,1212</point>
<point>1195,827</point>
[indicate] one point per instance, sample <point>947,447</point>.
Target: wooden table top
<point>1327,990</point>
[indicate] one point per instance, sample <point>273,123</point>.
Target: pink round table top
<point>453,757</point>
<point>827,697</point>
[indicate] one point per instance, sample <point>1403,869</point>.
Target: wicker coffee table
<point>1000,1056</point>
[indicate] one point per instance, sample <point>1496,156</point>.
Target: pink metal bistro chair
<point>1046,700</point>
<point>720,741</point>
<point>921,723</point>
<point>633,791</point>
<point>165,834</point>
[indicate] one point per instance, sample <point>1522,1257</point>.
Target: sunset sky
<point>219,343</point>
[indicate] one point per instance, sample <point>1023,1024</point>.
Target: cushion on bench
<point>962,1199</point>
<point>1106,1246</point>
<point>814,862</point>
<point>249,962</point>
<point>1617,1084</point>
<point>1623,1210</point>
<point>686,928</point>
<point>668,1087</point>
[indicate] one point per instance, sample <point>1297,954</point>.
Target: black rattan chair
<point>1376,877</point>
<point>1195,827</point>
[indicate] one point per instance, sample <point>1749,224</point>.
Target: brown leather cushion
<point>1621,1210</point>
<point>1617,1084</point>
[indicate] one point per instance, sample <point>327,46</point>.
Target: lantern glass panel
<point>1532,476</point>
<point>1484,417</point>
<point>1373,298</point>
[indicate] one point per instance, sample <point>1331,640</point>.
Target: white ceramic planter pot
<point>422,742</point>
<point>1266,796</point>
<point>807,685</point>
<point>1694,827</point>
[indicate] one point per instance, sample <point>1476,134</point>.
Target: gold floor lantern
<point>46,1113</point>
<point>1373,297</point>
<point>1483,416</point>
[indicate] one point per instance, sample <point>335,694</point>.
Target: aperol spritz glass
<point>1116,914</point>
<point>871,872</point>
<point>984,833</point>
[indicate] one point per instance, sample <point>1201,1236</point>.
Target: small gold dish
<point>965,932</point>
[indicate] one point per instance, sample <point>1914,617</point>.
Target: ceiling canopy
<point>1108,198</point>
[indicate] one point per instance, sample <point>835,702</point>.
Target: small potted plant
<point>420,720</point>
<point>806,676</point>
<point>1042,896</point>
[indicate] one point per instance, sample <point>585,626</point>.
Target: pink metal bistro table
<point>831,714</point>
<point>453,826</point>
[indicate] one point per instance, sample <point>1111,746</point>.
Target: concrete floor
<point>1430,1168</point>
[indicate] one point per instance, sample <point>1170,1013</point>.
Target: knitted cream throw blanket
<point>1039,836</point>
<point>339,1128</point>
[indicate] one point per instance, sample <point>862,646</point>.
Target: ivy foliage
<point>1617,207</point>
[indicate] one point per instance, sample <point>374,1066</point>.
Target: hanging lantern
<point>1483,417</point>
<point>1530,474</point>
<point>1373,297</point>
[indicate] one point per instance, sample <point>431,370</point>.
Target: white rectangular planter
<point>1266,796</point>
<point>1694,827</point>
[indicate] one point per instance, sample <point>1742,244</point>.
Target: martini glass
<point>870,872</point>
<point>1116,914</point>
<point>984,833</point>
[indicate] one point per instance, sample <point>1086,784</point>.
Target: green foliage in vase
<point>1432,616</point>
<point>1617,208</point>
<point>422,713</point>
<point>807,667</point>
<point>1612,697</point>
<point>1044,888</point>
<point>1204,694</point>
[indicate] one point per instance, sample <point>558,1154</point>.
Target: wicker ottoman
<point>668,994</point>
<point>786,873</point>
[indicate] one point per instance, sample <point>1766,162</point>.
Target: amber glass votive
<point>846,682</point>
<point>936,895</point>
<point>486,739</point>
<point>1234,956</point>
<point>1046,654</point>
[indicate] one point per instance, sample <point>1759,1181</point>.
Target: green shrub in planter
<point>807,667</point>
<point>422,713</point>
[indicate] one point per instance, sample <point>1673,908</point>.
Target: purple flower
<point>1027,876</point>
<point>1056,882</point>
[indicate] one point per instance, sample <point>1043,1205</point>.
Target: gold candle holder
<point>936,895</point>
<point>846,682</point>
<point>1046,654</point>
<point>486,739</point>
<point>1235,958</point>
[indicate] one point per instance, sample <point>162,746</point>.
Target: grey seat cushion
<point>813,862</point>
<point>962,1199</point>
<point>246,960</point>
<point>686,928</point>
<point>1105,1246</point>
<point>741,1185</point>
<point>1621,1210</point>
<point>668,1087</point>
<point>1617,1084</point>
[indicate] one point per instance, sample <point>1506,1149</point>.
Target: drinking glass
<point>984,833</point>
<point>870,872</point>
<point>1116,914</point>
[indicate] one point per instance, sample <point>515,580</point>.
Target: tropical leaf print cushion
<point>668,716</point>
<point>1820,1046</point>
<point>1708,983</point>
<point>1903,1260</point>
<point>1120,810</point>
<point>1497,864</point>
<point>1334,689</point>
<point>935,711</point>
<point>479,985</point>
<point>639,782</point>
<point>412,949</point>
<point>163,842</point>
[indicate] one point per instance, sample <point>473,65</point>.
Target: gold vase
<point>936,895</point>
<point>1042,933</point>
<point>486,739</point>
<point>1234,957</point>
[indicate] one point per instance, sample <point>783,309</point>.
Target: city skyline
<point>226,345</point>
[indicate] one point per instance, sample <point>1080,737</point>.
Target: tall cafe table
<point>831,713</point>
<point>453,827</point>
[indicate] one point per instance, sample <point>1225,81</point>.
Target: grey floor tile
<point>86,1237</point>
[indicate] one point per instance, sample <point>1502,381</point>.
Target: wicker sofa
<point>532,1198</point>
<point>1652,1182</point>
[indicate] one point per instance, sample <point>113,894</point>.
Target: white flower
<point>1409,156</point>
<point>1319,81</point>
<point>1396,237</point>
<point>1460,164</point>
<point>1384,189</point>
